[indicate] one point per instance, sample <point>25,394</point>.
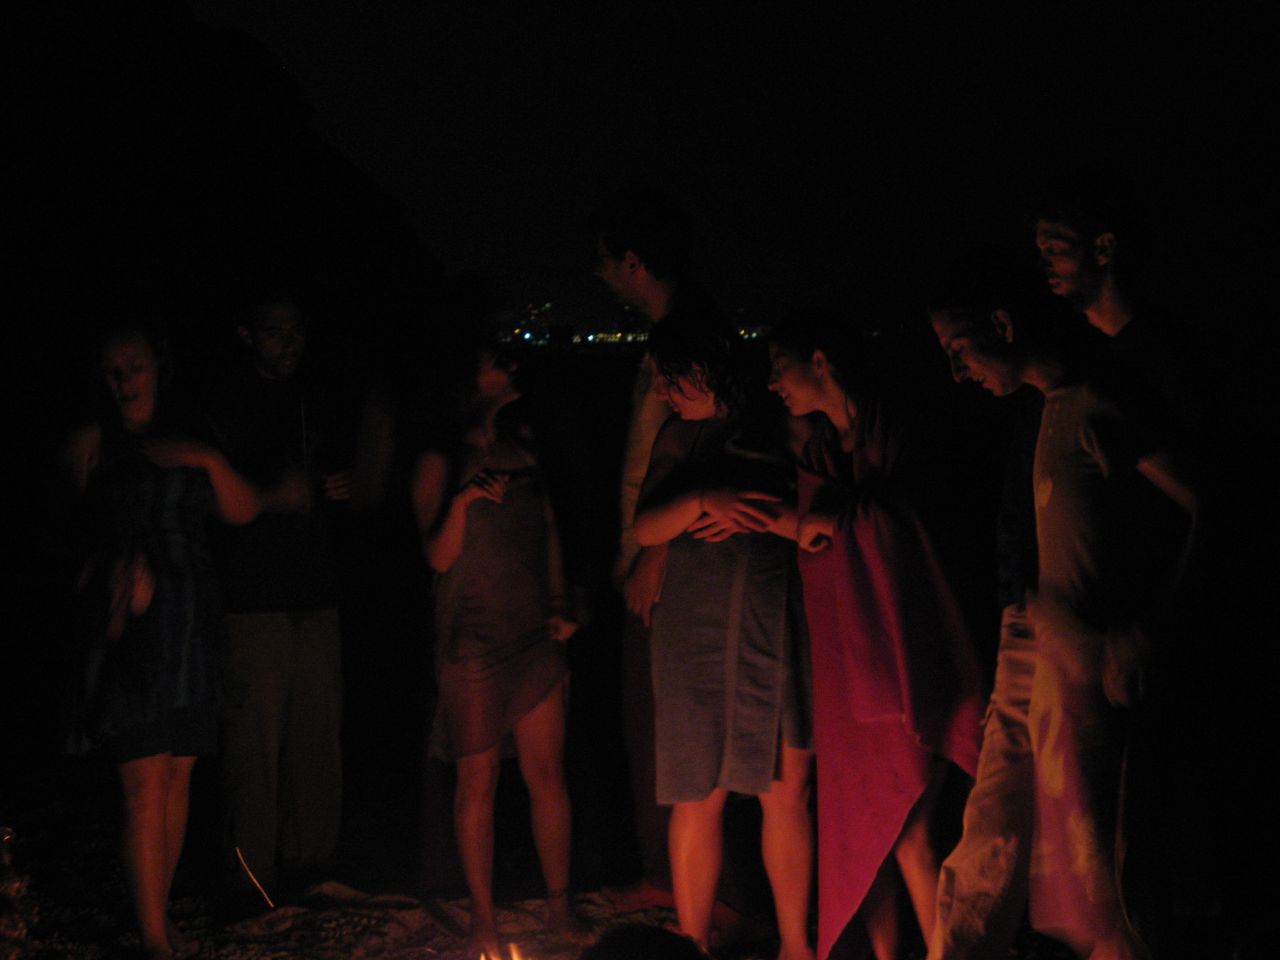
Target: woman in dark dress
<point>500,628</point>
<point>148,696</point>
<point>896,683</point>
<point>728,646</point>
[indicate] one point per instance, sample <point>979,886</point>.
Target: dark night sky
<point>184,155</point>
<point>814,145</point>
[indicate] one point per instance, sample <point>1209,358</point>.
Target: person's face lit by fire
<point>977,353</point>
<point>690,398</point>
<point>277,337</point>
<point>1074,266</point>
<point>132,374</point>
<point>800,384</point>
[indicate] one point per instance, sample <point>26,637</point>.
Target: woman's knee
<point>542,774</point>
<point>790,794</point>
<point>477,779</point>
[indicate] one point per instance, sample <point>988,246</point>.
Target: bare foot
<point>803,953</point>
<point>564,921</point>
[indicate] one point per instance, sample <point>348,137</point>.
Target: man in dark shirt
<point>282,769</point>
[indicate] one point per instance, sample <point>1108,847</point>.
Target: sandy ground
<point>62,894</point>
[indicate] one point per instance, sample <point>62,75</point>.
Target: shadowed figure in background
<point>729,650</point>
<point>501,625</point>
<point>1098,253</point>
<point>895,680</point>
<point>281,762</point>
<point>152,618</point>
<point>1092,622</point>
<point>641,254</point>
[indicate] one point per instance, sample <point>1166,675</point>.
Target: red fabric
<point>895,679</point>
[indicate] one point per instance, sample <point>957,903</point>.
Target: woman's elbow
<point>436,559</point>
<point>646,533</point>
<point>242,512</point>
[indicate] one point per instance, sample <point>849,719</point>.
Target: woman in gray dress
<point>728,649</point>
<point>500,630</point>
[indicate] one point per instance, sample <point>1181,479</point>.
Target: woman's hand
<point>561,627</point>
<point>133,585</point>
<point>815,531</point>
<point>485,485</point>
<point>726,512</point>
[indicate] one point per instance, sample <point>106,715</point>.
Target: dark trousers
<point>281,754</point>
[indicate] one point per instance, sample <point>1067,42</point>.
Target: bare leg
<point>1114,946</point>
<point>696,837</point>
<point>144,783</point>
<point>473,823</point>
<point>787,844</point>
<point>540,745</point>
<point>177,803</point>
<point>880,912</point>
<point>915,854</point>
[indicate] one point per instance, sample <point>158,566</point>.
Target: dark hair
<point>1090,201</point>
<point>645,221</point>
<point>248,310</point>
<point>846,340</point>
<point>706,352</point>
<point>639,941</point>
<point>465,332</point>
<point>980,279</point>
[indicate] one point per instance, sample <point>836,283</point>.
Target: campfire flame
<point>513,950</point>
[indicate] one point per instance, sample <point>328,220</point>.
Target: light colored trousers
<point>982,888</point>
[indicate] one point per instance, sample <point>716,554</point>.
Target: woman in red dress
<point>896,684</point>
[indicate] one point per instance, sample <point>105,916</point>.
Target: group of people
<point>789,599</point>
<point>789,609</point>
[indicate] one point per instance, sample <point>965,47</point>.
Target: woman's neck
<point>484,429</point>
<point>843,414</point>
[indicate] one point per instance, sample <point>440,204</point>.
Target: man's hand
<point>336,486</point>
<point>292,493</point>
<point>1124,657</point>
<point>644,584</point>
